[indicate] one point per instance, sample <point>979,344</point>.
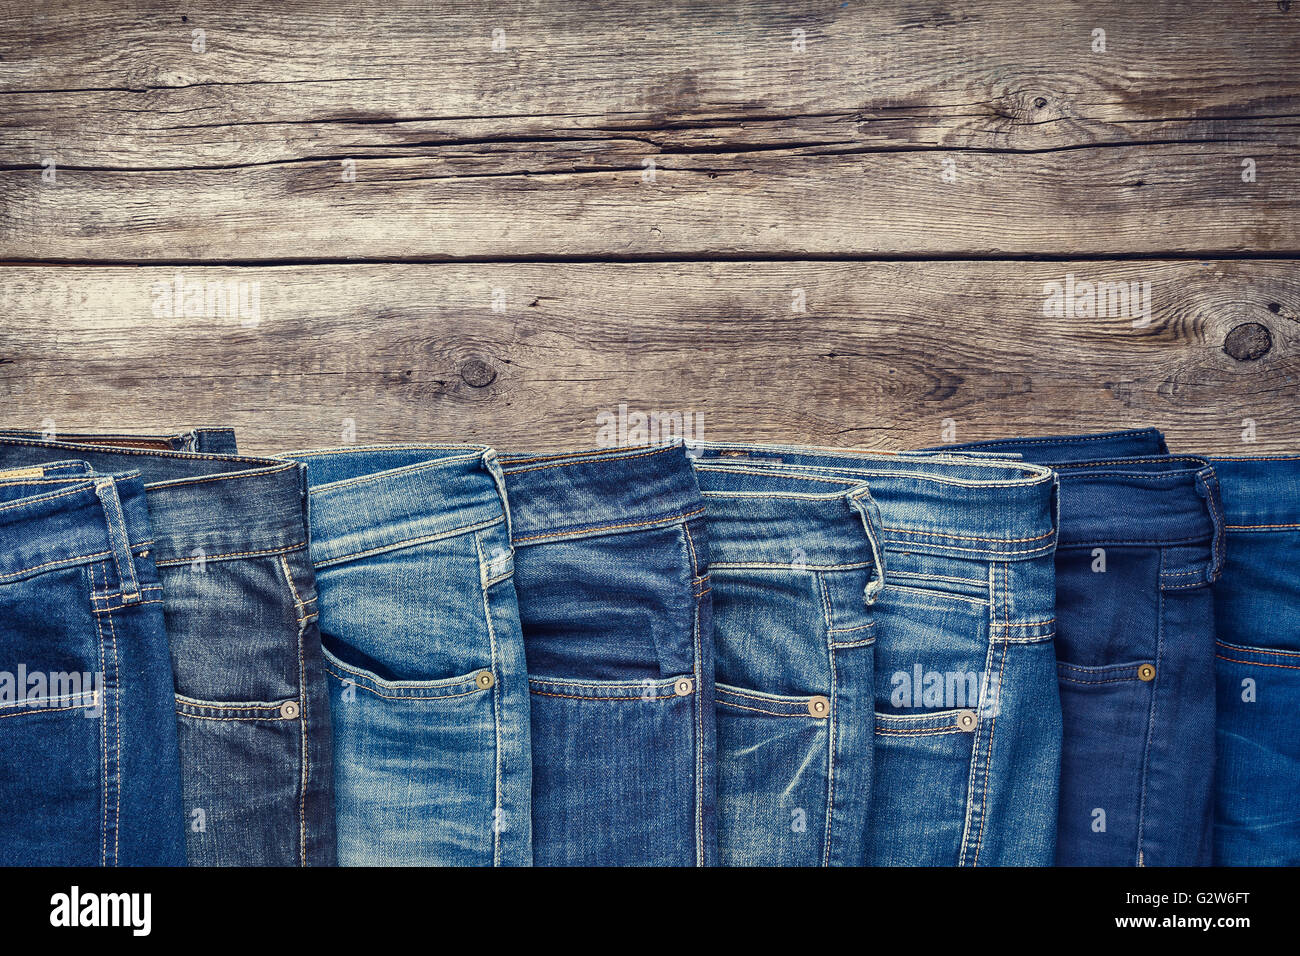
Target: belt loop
<point>493,467</point>
<point>1207,483</point>
<point>871,521</point>
<point>119,542</point>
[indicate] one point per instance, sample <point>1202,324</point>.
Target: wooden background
<point>492,221</point>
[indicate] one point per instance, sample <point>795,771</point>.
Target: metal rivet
<point>1146,672</point>
<point>966,720</point>
<point>289,709</point>
<point>485,679</point>
<point>819,706</point>
<point>684,686</point>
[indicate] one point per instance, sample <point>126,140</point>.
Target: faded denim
<point>429,686</point>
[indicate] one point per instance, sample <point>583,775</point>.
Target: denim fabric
<point>967,724</point>
<point>794,567</point>
<point>239,603</point>
<point>1130,443</point>
<point>420,625</point>
<point>212,441</point>
<point>1141,543</point>
<point>1257,615</point>
<point>611,565</point>
<point>89,768</point>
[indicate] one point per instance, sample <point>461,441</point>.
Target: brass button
<point>1146,672</point>
<point>819,706</point>
<point>485,679</point>
<point>966,720</point>
<point>684,686</point>
<point>289,709</point>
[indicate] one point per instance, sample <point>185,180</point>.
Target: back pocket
<point>1105,712</point>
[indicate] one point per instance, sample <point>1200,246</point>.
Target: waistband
<point>1260,492</point>
<point>978,508</point>
<point>599,492</point>
<point>373,498</point>
<point>764,518</point>
<point>1050,449</point>
<point>212,507</point>
<point>1143,501</point>
<point>62,515</point>
<point>215,441</point>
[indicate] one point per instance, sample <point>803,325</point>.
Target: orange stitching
<point>578,458</point>
<point>1259,650</point>
<point>45,710</point>
<point>611,527</point>
<point>1289,667</point>
<point>968,537</point>
<point>1241,527</point>
<point>655,698</point>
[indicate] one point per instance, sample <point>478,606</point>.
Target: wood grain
<point>537,150</point>
<point>882,356</point>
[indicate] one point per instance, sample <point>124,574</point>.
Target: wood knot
<point>477,374</point>
<point>1248,342</point>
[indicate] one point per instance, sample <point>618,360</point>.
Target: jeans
<point>212,441</point>
<point>429,687</point>
<point>252,705</point>
<point>611,571</point>
<point>1257,664</point>
<point>1141,543</point>
<point>89,768</point>
<point>967,723</point>
<point>795,566</point>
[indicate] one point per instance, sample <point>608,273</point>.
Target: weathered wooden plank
<point>539,149</point>
<point>884,356</point>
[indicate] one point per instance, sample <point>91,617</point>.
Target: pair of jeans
<point>795,566</point>
<point>429,686</point>
<point>213,441</point>
<point>1141,544</point>
<point>1257,664</point>
<point>967,727</point>
<point>89,767</point>
<point>611,573</point>
<point>239,603</point>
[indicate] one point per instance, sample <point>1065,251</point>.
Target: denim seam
<point>1151,719</point>
<point>484,584</point>
<point>647,523</point>
<point>48,710</point>
<point>117,727</point>
<point>41,499</point>
<point>830,730</point>
<point>697,704</point>
<point>1256,650</point>
<point>743,565</point>
<point>657,698</point>
<point>989,552</point>
<point>305,776</point>
<point>103,734</point>
<point>1248,527</point>
<point>61,698</point>
<point>345,483</point>
<point>861,474</point>
<point>284,549</point>
<point>349,680</point>
<point>261,472</point>
<point>848,630</point>
<point>969,537</point>
<point>759,710</point>
<point>944,595</point>
<point>1067,439</point>
<point>582,459</point>
<point>1233,660</point>
<point>845,645</point>
<point>988,761</point>
<point>406,543</point>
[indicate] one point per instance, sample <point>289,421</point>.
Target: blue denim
<point>239,601</point>
<point>611,572</point>
<point>212,441</point>
<point>1257,665</point>
<point>429,686</point>
<point>89,766</point>
<point>795,565</point>
<point>1128,443</point>
<point>967,723</point>
<point>1141,543</point>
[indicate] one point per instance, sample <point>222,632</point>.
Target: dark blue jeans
<point>1257,608</point>
<point>611,571</point>
<point>1141,542</point>
<point>89,767</point>
<point>252,706</point>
